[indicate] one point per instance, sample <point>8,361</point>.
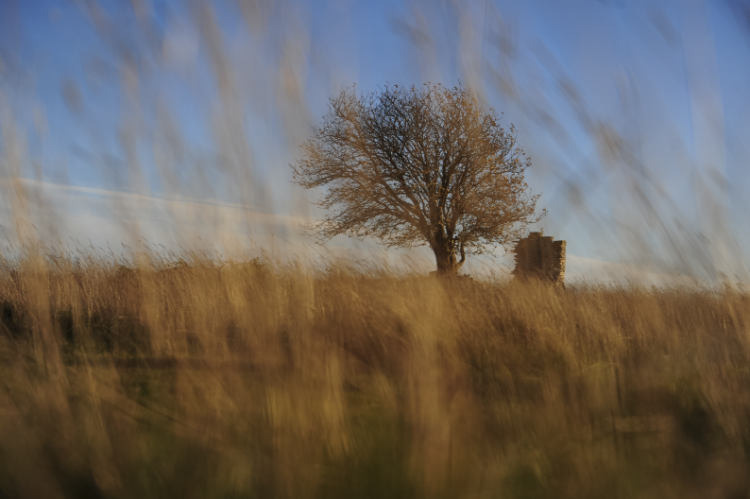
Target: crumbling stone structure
<point>540,257</point>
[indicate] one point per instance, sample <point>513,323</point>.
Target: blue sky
<point>663,80</point>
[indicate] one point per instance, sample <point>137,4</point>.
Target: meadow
<point>182,375</point>
<point>147,379</point>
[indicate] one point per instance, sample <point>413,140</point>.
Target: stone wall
<point>540,257</point>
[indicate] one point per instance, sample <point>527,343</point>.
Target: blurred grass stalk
<point>252,380</point>
<point>619,187</point>
<point>127,376</point>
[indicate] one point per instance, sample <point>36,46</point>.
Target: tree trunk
<point>447,261</point>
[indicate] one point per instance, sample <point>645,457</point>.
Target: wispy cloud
<point>113,220</point>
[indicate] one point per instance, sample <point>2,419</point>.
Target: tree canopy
<point>418,166</point>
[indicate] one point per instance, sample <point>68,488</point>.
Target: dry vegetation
<point>144,378</point>
<point>246,380</point>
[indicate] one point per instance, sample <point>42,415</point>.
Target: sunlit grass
<point>258,380</point>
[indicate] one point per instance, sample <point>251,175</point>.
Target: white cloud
<point>106,220</point>
<point>580,268</point>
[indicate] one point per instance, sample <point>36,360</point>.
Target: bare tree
<point>414,166</point>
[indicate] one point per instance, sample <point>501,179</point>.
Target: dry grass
<point>245,380</point>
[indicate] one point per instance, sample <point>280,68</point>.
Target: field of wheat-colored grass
<point>269,380</point>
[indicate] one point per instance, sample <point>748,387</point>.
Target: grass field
<point>253,380</point>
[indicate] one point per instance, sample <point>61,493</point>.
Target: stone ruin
<point>538,256</point>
